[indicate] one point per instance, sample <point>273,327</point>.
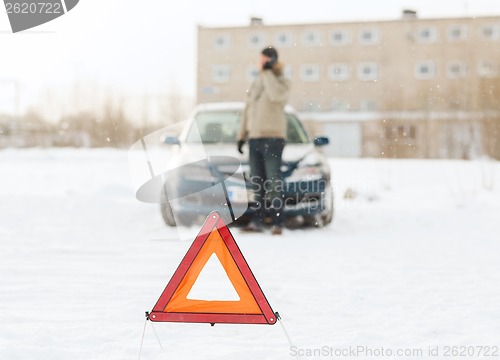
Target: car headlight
<point>312,167</point>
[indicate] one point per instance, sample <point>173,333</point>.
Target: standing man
<point>264,125</point>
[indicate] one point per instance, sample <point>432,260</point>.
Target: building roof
<point>349,22</point>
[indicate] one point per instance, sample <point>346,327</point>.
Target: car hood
<point>189,153</point>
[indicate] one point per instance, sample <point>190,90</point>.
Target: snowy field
<point>412,261</point>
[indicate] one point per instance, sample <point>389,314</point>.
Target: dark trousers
<point>267,179</point>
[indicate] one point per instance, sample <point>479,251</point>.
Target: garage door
<point>345,140</point>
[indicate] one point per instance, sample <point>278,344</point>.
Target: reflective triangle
<point>180,301</point>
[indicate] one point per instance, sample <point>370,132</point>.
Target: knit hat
<point>270,52</point>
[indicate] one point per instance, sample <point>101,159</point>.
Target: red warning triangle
<point>174,304</point>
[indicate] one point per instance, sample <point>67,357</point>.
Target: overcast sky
<point>149,46</point>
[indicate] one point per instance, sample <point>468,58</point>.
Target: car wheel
<point>168,214</point>
<point>327,214</point>
<point>166,209</point>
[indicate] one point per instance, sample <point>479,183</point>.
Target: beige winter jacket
<point>264,115</point>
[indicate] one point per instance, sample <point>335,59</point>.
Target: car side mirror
<point>321,141</point>
<point>171,140</point>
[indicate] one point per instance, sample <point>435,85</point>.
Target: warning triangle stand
<point>174,304</point>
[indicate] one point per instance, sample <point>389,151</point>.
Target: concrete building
<point>409,87</point>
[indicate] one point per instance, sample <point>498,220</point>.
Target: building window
<point>457,69</point>
<point>487,68</point>
<point>401,132</point>
<point>368,105</point>
<point>283,39</point>
<point>252,73</point>
<point>257,40</point>
<point>221,73</point>
<point>369,36</point>
<point>457,32</point>
<point>339,72</point>
<point>311,38</point>
<point>309,72</point>
<point>340,37</point>
<point>490,32</point>
<point>407,131</point>
<point>427,34</point>
<point>368,71</point>
<point>222,41</point>
<point>340,105</point>
<point>425,70</point>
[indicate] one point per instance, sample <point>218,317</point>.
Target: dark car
<point>212,175</point>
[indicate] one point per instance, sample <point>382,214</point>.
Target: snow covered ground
<point>411,262</point>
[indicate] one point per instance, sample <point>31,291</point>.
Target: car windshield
<point>214,127</point>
